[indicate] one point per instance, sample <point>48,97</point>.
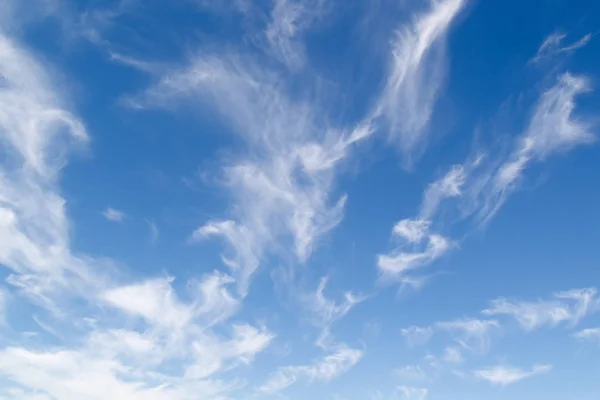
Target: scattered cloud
<point>504,375</point>
<point>482,185</point>
<point>324,311</point>
<point>568,307</point>
<point>104,334</point>
<point>590,334</point>
<point>37,132</point>
<point>473,334</point>
<point>154,301</point>
<point>113,215</point>
<point>282,186</point>
<point>553,47</point>
<point>401,262</point>
<point>416,74</point>
<point>289,19</point>
<point>324,369</point>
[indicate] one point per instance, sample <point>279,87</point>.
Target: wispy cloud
<point>416,74</point>
<point>551,129</point>
<point>282,186</point>
<point>37,133</point>
<point>553,47</point>
<point>589,334</point>
<point>568,307</point>
<point>323,311</point>
<point>113,215</point>
<point>154,231</point>
<point>101,358</point>
<point>338,358</point>
<point>473,334</point>
<point>289,19</point>
<point>505,375</point>
<point>324,369</point>
<point>482,185</point>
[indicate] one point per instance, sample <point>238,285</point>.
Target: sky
<point>285,199</point>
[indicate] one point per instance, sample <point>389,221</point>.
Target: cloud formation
<point>113,215</point>
<point>553,47</point>
<point>324,369</point>
<point>282,187</point>
<point>568,307</point>
<point>480,186</point>
<point>503,375</point>
<point>416,74</point>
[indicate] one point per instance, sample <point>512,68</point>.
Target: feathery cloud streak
<point>282,186</point>
<point>482,185</point>
<point>416,75</point>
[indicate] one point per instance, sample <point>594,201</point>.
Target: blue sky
<point>381,200</point>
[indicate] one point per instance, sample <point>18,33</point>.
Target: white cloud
<point>37,133</point>
<point>450,185</point>
<point>551,129</point>
<point>412,231</point>
<point>482,185</point>
<point>153,300</point>
<point>399,263</point>
<point>67,375</point>
<point>324,369</point>
<point>324,312</point>
<point>113,215</point>
<point>289,19</point>
<point>281,187</point>
<point>473,334</point>
<point>590,334</point>
<point>213,355</point>
<point>569,307</point>
<point>504,375</point>
<point>157,303</point>
<point>416,74</point>
<point>553,47</point>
